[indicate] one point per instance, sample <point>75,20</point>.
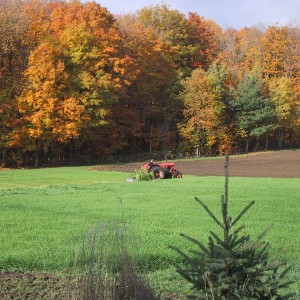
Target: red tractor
<point>162,170</point>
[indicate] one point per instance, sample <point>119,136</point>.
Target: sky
<point>226,13</point>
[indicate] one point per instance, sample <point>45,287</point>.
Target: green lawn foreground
<point>44,213</point>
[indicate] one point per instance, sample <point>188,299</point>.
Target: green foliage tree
<point>233,266</point>
<point>223,82</point>
<point>255,114</point>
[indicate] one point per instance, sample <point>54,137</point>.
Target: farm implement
<point>162,170</point>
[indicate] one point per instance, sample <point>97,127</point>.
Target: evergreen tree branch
<point>242,212</point>
<point>220,242</point>
<point>285,271</point>
<point>209,212</point>
<point>264,233</point>
<point>186,258</point>
<point>199,244</point>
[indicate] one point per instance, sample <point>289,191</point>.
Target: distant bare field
<point>276,164</point>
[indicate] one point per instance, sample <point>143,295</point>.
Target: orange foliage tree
<point>145,112</point>
<point>50,112</point>
<point>74,75</point>
<point>205,36</point>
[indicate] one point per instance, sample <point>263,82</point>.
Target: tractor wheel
<point>177,174</point>
<point>158,172</point>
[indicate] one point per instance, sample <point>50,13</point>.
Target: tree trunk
<point>71,152</point>
<point>267,141</point>
<point>198,150</point>
<point>1,77</point>
<point>247,145</point>
<point>49,155</point>
<point>37,150</point>
<point>280,138</point>
<point>150,142</point>
<point>3,159</point>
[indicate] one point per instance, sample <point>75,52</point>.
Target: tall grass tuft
<point>106,267</point>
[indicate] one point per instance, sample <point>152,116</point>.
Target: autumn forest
<point>78,84</point>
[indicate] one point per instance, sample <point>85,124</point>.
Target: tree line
<point>78,83</point>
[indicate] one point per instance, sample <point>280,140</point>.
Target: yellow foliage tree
<point>283,97</point>
<point>276,44</point>
<point>201,107</point>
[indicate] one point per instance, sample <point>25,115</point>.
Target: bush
<point>233,266</point>
<point>143,175</point>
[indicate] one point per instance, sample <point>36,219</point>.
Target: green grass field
<point>45,213</point>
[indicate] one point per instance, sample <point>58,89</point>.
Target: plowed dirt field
<point>280,164</point>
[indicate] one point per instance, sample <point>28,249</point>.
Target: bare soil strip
<point>273,164</point>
